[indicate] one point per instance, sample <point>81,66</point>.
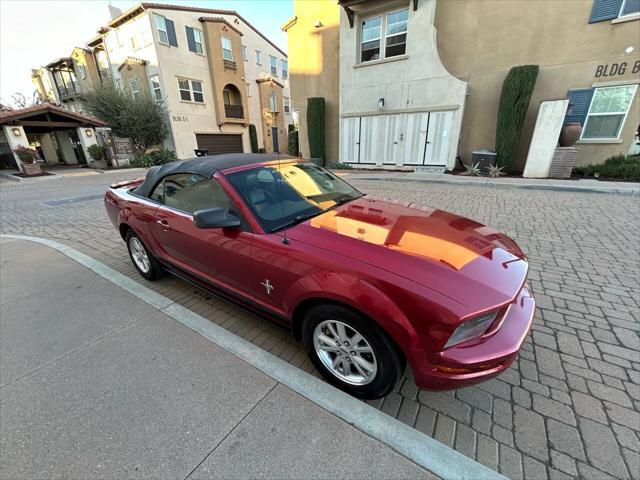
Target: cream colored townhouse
<point>215,73</point>
<point>416,83</point>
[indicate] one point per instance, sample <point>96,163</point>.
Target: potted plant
<point>27,158</point>
<point>98,154</point>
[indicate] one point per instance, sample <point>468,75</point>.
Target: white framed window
<point>82,70</point>
<point>286,104</point>
<point>273,103</point>
<point>196,87</point>
<point>384,36</point>
<point>258,57</point>
<point>155,86</point>
<point>161,25</point>
<point>245,54</point>
<point>273,63</point>
<point>629,7</point>
<point>133,86</point>
<point>185,90</point>
<point>284,66</point>
<point>194,40</point>
<point>608,111</point>
<point>227,53</point>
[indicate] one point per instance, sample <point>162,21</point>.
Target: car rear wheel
<point>142,259</point>
<point>350,351</point>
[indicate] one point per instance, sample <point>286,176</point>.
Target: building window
<point>227,54</point>
<point>273,103</point>
<point>194,40</point>
<point>273,62</point>
<point>155,86</point>
<point>133,86</point>
<point>286,105</point>
<point>258,57</point>
<point>374,45</point>
<point>185,90</point>
<point>629,7</point>
<point>161,25</point>
<point>284,65</point>
<point>603,10</point>
<point>245,54</point>
<point>134,43</point>
<point>198,96</point>
<point>82,70</point>
<point>608,111</point>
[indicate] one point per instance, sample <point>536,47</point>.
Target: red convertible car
<point>367,284</point>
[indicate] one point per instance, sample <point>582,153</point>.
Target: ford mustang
<point>366,284</point>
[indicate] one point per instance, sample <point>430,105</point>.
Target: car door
<point>218,255</point>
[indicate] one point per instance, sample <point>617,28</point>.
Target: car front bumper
<point>465,365</point>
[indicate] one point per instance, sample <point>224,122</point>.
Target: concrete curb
<point>505,185</point>
<point>421,449</point>
<point>13,178</point>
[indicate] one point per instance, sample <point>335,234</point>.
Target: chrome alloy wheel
<point>139,255</point>
<point>345,352</point>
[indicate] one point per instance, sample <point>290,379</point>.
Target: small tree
<point>140,119</point>
<point>315,128</point>
<point>293,143</point>
<point>253,138</point>
<point>514,102</point>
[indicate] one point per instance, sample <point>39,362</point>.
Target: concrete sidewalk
<point>96,383</point>
<point>586,185</point>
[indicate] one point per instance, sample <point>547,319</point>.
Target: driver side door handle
<point>164,225</point>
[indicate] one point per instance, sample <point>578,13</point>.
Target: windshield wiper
<point>295,221</point>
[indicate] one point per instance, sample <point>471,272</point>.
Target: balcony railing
<point>70,90</point>
<point>233,111</point>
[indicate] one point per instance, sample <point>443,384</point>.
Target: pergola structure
<point>73,132</point>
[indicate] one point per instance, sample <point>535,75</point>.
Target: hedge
<point>315,128</point>
<point>620,167</point>
<point>253,138</point>
<point>514,102</point>
<point>293,143</point>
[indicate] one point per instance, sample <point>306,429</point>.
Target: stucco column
<point>86,140</point>
<point>48,149</point>
<point>66,147</point>
<point>15,141</point>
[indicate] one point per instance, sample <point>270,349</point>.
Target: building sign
<point>122,146</point>
<point>180,118</point>
<point>615,69</point>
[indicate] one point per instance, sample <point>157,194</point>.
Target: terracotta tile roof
<point>220,20</point>
<point>138,9</point>
<point>270,80</point>
<point>130,60</point>
<point>22,113</point>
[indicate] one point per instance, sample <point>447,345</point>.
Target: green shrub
<point>514,102</point>
<point>253,138</point>
<point>162,156</point>
<point>292,127</point>
<point>293,143</point>
<point>339,166</point>
<point>315,127</point>
<point>97,152</point>
<point>620,167</point>
<point>141,160</point>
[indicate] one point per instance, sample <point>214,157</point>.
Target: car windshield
<point>283,195</point>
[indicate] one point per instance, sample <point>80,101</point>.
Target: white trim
<point>165,31</point>
<point>624,119</point>
<point>622,5</point>
<point>414,445</point>
<point>230,49</point>
<point>627,18</point>
<point>382,38</point>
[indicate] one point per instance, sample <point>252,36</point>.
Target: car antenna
<point>285,239</point>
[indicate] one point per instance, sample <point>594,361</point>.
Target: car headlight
<point>471,329</point>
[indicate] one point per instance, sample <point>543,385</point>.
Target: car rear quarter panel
<point>125,208</point>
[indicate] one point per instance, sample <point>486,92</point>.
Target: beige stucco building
<point>419,81</point>
<point>208,67</point>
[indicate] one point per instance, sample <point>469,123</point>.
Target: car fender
<point>356,293</point>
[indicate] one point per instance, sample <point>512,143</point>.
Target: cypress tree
<point>253,138</point>
<point>315,127</point>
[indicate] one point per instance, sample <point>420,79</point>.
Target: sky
<point>36,32</point>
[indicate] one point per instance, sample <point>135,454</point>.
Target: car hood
<point>457,257</point>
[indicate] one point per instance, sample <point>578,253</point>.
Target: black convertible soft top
<point>205,166</point>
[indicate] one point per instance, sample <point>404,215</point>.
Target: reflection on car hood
<point>453,255</point>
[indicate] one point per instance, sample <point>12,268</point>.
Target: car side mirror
<point>215,218</point>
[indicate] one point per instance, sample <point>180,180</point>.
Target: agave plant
<point>472,169</point>
<point>495,171</point>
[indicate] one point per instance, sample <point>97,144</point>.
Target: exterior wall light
<point>380,103</point>
<point>16,131</point>
<point>88,132</point>
<point>629,49</point>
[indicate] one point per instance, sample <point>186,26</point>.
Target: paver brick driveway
<point>567,408</point>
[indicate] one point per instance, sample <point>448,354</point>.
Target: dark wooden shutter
<point>604,10</point>
<point>171,32</point>
<point>579,101</point>
<point>191,39</point>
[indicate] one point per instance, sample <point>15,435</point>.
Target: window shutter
<point>171,33</point>
<point>579,101</point>
<point>191,40</point>
<point>604,10</point>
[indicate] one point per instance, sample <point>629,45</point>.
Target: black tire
<point>390,363</point>
<point>155,270</point>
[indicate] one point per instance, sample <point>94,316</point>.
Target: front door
<point>274,136</point>
<point>217,255</point>
<point>394,140</point>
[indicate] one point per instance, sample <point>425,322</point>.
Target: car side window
<point>158,193</point>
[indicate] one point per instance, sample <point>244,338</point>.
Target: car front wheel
<point>350,351</point>
<point>142,259</point>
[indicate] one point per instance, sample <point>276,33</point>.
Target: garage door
<point>216,143</point>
